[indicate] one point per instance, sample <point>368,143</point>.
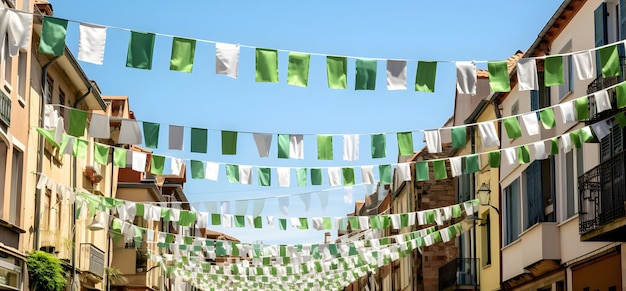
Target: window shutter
<point>617,139</point>
<point>600,32</point>
<point>534,100</point>
<point>622,19</point>
<point>605,149</point>
<point>533,193</point>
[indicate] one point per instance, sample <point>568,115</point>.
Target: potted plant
<point>45,272</point>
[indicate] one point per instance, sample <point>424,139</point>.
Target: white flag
<point>139,161</point>
<point>347,195</point>
<point>226,59</point>
<point>584,65</point>
<point>527,75</point>
<point>296,146</point>
<point>540,150</point>
<point>466,78</point>
<point>531,123</point>
<point>396,75</point>
<point>176,134</point>
<point>129,132</point>
<point>284,176</point>
<point>211,171</point>
<point>602,101</point>
<point>601,129</point>
<point>350,147</point>
<point>245,175</point>
<point>91,43</point>
<point>263,142</point>
<point>306,201</point>
<point>456,166</point>
<point>566,143</point>
<point>433,141</point>
<point>99,126</point>
<point>367,172</point>
<point>283,205</point>
<point>510,155</point>
<point>567,112</point>
<point>488,134</point>
<point>19,30</point>
<point>177,166</point>
<point>334,176</point>
<point>404,172</point>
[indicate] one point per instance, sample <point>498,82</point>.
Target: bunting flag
<point>101,154</point>
<point>499,76</point>
<point>283,146</point>
<point>232,173</point>
<point>425,76</point>
<point>584,65</point>
<point>456,166</point>
<point>547,118</point>
<point>540,150</point>
<point>151,134</point>
<point>609,60</point>
<point>367,174</point>
<point>99,126</point>
<point>512,127</point>
<point>157,164</point>
<point>265,176</point>
<point>336,69</point>
<point>284,176</point>
<point>129,132</point>
<point>365,74</point>
<point>531,123</point>
<point>396,75</point>
<point>245,175</point>
<point>567,112</point>
<point>488,134</point>
<point>53,32</point>
<point>348,176</point>
<point>527,78</point>
<point>266,65</point>
<point>472,163</point>
<point>421,171</point>
<point>466,78</point>
<point>433,141</point>
<point>197,169</point>
<point>227,59</point>
<point>298,69</point>
<point>601,129</point>
<point>350,147</point>
<point>316,176</point>
<point>301,177</point>
<point>229,142</point>
<point>603,103</point>
<point>183,52</point>
<point>176,134</point>
<point>379,142</point>
<point>19,30</point>
<point>324,147</point>
<point>199,139</point>
<point>334,176</point>
<point>78,121</point>
<point>263,142</point>
<point>439,167</point>
<point>510,154</point>
<point>582,108</point>
<point>494,159</point>
<point>385,174</point>
<point>553,71</point>
<point>459,138</point>
<point>296,146</point>
<point>405,143</point>
<point>119,157</point>
<point>140,50</point>
<point>212,170</point>
<point>92,39</point>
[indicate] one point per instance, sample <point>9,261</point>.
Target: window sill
<point>21,101</point>
<point>566,95</point>
<point>8,87</point>
<point>568,220</point>
<point>518,240</point>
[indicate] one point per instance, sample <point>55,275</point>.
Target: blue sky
<point>411,30</point>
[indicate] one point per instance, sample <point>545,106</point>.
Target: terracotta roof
<point>207,233</point>
<point>511,62</point>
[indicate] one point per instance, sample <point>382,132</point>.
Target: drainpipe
<point>38,192</point>
<point>498,114</point>
<point>473,241</point>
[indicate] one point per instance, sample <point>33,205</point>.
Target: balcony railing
<point>599,84</point>
<point>458,272</point>
<point>91,259</point>
<point>5,109</point>
<point>602,194</point>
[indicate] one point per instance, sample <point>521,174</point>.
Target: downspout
<point>38,194</point>
<point>473,241</point>
<point>498,114</point>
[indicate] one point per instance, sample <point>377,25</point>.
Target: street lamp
<point>484,197</point>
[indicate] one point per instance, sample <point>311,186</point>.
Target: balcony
<point>91,260</point>
<point>458,274</point>
<point>602,195</point>
<point>5,109</point>
<point>599,84</point>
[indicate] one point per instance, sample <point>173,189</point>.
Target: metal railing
<point>602,194</point>
<point>599,84</point>
<point>458,272</point>
<point>91,259</point>
<point>5,109</point>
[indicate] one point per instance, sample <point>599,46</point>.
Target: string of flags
<point>92,41</point>
<point>291,146</point>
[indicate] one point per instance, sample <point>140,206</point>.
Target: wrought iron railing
<point>5,109</point>
<point>602,194</point>
<point>91,259</point>
<point>458,272</point>
<point>599,84</point>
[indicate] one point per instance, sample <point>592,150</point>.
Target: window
<point>569,184</point>
<point>22,77</point>
<point>486,245</point>
<point>7,60</point>
<point>463,186</point>
<point>61,102</point>
<point>512,215</point>
<point>612,144</point>
<point>568,76</point>
<point>15,207</point>
<point>48,90</point>
<point>539,189</point>
<point>3,163</point>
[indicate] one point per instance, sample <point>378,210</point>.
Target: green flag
<point>336,69</point>
<point>384,172</point>
<point>119,157</point>
<point>459,138</point>
<point>301,176</point>
<point>348,176</point>
<point>199,138</point>
<point>265,176</point>
<point>283,146</point>
<point>266,65</point>
<point>183,51</point>
<point>298,69</point>
<point>553,73</point>
<point>499,76</point>
<point>324,147</point>
<point>216,219</point>
<point>151,134</point>
<point>229,142</point>
<point>157,165</point>
<point>421,169</point>
<point>316,176</point>
<point>494,159</point>
<point>513,130</point>
<point>282,223</point>
<point>621,119</point>
<point>405,143</point>
<point>582,108</point>
<point>554,146</point>
<point>240,221</point>
<point>304,223</point>
<point>609,60</point>
<point>52,40</point>
<point>327,223</point>
<point>140,50</point>
<point>258,222</point>
<point>547,118</point>
<point>80,148</point>
<point>354,222</point>
<point>439,168</point>
<point>425,76</point>
<point>621,95</point>
<point>585,134</point>
<point>197,169</point>
<point>523,154</point>
<point>379,146</point>
<point>78,121</point>
<point>232,173</point>
<point>365,74</point>
<point>472,163</point>
<point>101,154</point>
<point>575,137</point>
